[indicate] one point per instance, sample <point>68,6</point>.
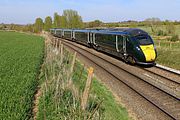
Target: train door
<point>124,45</point>
<point>93,38</point>
<point>62,33</point>
<point>120,44</point>
<point>90,37</point>
<point>117,44</point>
<point>73,35</point>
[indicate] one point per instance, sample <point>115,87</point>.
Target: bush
<point>170,28</point>
<point>174,38</point>
<point>161,33</point>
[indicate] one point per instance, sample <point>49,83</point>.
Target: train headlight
<point>138,48</point>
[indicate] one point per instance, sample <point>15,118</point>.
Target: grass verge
<point>61,100</point>
<point>168,54</point>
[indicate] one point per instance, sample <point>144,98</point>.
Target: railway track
<point>176,72</point>
<point>165,81</point>
<point>163,99</point>
<point>164,73</point>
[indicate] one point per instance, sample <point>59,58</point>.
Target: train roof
<point>109,32</point>
<point>121,31</point>
<point>81,30</point>
<point>131,31</point>
<point>114,31</point>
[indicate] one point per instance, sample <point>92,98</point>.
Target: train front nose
<point>149,52</point>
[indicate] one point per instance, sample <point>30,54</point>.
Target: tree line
<point>69,19</point>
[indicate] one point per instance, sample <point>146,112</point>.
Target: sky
<point>26,11</point>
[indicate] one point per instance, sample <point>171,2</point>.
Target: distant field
<point>20,59</point>
<point>168,54</point>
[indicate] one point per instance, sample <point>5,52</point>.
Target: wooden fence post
<point>170,45</point>
<point>85,95</point>
<point>159,43</point>
<point>60,46</point>
<point>71,70</point>
<point>61,54</point>
<point>56,43</point>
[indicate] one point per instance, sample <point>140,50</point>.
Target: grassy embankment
<point>61,91</point>
<point>168,52</point>
<point>20,59</point>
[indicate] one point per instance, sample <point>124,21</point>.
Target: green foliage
<point>69,19</point>
<point>38,25</point>
<point>48,23</point>
<point>170,28</point>
<point>63,22</point>
<point>96,23</point>
<point>161,33</point>
<point>133,25</point>
<point>73,19</point>
<point>172,49</point>
<point>174,38</point>
<point>61,100</point>
<point>3,26</point>
<point>173,59</point>
<point>28,28</point>
<point>109,109</point>
<point>20,60</point>
<point>56,22</point>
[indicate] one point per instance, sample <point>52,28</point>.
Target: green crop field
<point>20,59</point>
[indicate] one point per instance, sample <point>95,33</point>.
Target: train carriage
<point>111,43</point>
<point>132,45</point>
<point>82,37</point>
<point>140,47</point>
<point>68,34</point>
<point>59,33</point>
<point>52,31</point>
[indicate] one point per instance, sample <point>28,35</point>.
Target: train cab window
<point>144,39</point>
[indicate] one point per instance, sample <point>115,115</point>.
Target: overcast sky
<point>26,11</point>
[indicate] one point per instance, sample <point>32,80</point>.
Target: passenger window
<point>120,40</point>
<point>106,39</point>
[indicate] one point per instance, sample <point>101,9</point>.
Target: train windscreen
<point>144,39</point>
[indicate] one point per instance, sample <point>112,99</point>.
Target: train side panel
<point>59,33</point>
<point>106,43</point>
<point>82,37</point>
<point>68,34</point>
